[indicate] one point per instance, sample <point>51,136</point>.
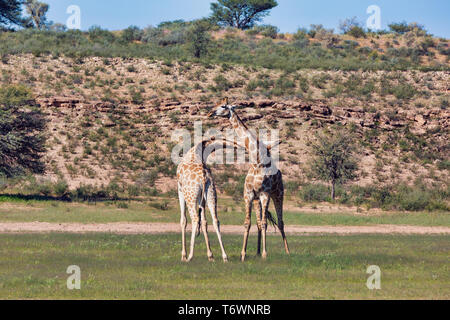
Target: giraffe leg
<point>257,205</point>
<point>265,200</point>
<point>205,232</point>
<point>278,202</point>
<point>195,221</point>
<point>212,205</point>
<point>183,223</point>
<point>248,222</point>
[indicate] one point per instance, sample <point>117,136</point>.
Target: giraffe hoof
<point>183,259</point>
<point>211,259</point>
<point>264,256</point>
<point>242,258</point>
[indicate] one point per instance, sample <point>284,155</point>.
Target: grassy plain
<point>149,267</point>
<point>230,213</point>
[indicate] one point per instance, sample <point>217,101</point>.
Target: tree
<point>199,39</point>
<point>404,27</point>
<point>130,34</point>
<point>21,133</point>
<point>242,14</point>
<point>37,11</point>
<point>11,13</point>
<point>332,158</point>
<point>352,27</point>
<point>349,23</point>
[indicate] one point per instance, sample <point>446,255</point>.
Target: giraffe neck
<point>253,145</point>
<point>197,153</point>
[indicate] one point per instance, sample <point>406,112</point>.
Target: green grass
<point>148,267</point>
<point>53,211</point>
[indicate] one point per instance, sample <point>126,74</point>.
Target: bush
<point>97,34</point>
<point>357,32</point>
<point>314,193</point>
<point>164,205</point>
<point>400,28</point>
<point>14,95</point>
<point>131,33</point>
<point>61,189</point>
<point>301,34</point>
<point>222,83</point>
<point>404,92</point>
<point>122,205</point>
<point>292,187</point>
<point>418,199</point>
<point>267,31</point>
<point>235,189</point>
<point>403,27</point>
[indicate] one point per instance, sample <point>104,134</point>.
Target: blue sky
<point>288,16</point>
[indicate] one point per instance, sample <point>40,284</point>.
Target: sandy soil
<point>158,228</point>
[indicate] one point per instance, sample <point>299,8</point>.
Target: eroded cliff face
<point>99,143</point>
<point>111,119</point>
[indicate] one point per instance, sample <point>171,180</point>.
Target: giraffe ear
<point>272,145</point>
<point>223,102</point>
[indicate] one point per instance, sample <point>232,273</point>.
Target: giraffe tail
<point>201,210</point>
<point>271,219</point>
<point>199,220</point>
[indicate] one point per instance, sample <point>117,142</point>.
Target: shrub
<point>267,31</point>
<point>136,97</point>
<point>97,34</point>
<point>404,92</point>
<point>222,83</point>
<point>314,193</point>
<point>132,33</point>
<point>164,205</point>
<point>61,189</point>
<point>357,32</point>
<point>122,205</point>
<point>301,34</point>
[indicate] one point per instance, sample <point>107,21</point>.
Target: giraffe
<point>195,189</point>
<point>262,182</point>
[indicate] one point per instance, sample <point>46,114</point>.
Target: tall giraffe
<point>195,189</point>
<point>262,182</point>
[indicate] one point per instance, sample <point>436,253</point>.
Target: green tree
<point>199,39</point>
<point>21,133</point>
<point>242,14</point>
<point>37,11</point>
<point>404,27</point>
<point>130,34</point>
<point>11,13</point>
<point>333,158</point>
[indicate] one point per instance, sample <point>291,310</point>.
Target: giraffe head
<point>222,109</point>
